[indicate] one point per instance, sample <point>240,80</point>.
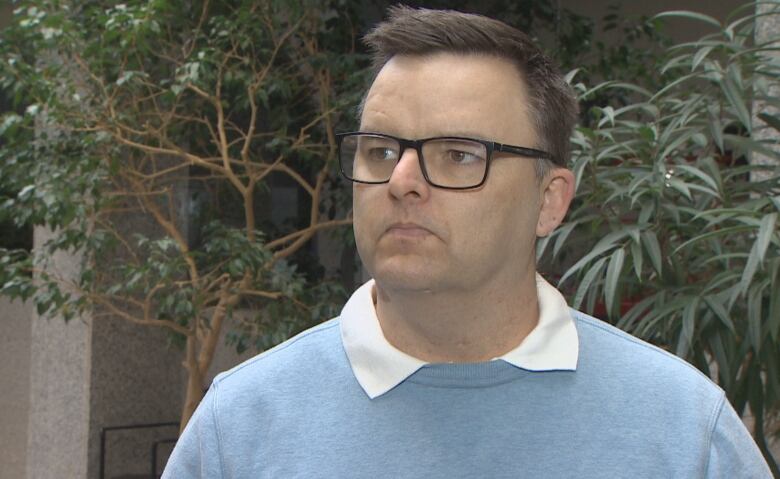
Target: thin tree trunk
<point>194,383</point>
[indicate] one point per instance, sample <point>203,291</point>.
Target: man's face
<point>413,236</point>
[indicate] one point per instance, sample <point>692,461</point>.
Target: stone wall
<point>15,329</point>
<point>59,386</point>
<point>767,29</point>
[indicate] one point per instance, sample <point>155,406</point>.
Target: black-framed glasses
<point>449,162</point>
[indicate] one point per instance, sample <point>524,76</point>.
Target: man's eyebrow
<point>464,134</point>
<point>438,134</point>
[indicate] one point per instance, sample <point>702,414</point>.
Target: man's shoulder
<point>297,357</point>
<point>607,350</point>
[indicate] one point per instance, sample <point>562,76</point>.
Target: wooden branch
<point>189,118</point>
<point>262,294</point>
<point>171,229</point>
<point>147,304</point>
<point>219,279</point>
<point>119,237</point>
<point>211,338</point>
<point>201,93</point>
<point>277,166</point>
<point>162,323</point>
<point>249,210</point>
<point>301,236</point>
<point>214,138</point>
<point>157,174</point>
<point>187,49</point>
<point>221,133</point>
<point>195,160</point>
<point>251,90</point>
<point>258,81</point>
<point>80,61</point>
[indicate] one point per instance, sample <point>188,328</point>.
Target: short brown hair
<point>412,31</point>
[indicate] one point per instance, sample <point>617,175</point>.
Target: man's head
<point>420,32</point>
<point>413,235</point>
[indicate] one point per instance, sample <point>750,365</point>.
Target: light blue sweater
<point>630,410</point>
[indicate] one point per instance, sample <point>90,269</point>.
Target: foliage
<point>151,141</point>
<point>673,234</point>
<point>135,119</point>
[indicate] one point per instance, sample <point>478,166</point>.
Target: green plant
<point>136,118</point>
<point>673,234</point>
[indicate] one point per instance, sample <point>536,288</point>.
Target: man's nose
<point>407,178</point>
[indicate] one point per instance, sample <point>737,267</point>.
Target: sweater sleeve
<point>733,452</point>
<point>197,453</point>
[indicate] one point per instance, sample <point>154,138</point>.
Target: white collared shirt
<point>379,366</point>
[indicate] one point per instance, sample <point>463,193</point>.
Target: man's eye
<point>382,154</point>
<point>461,157</point>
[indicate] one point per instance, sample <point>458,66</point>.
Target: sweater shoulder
<point>297,355</point>
<point>616,342</point>
<point>624,355</point>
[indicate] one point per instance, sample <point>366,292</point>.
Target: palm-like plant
<point>673,234</point>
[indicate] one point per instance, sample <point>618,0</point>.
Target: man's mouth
<point>408,230</point>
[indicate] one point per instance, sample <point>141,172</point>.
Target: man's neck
<point>474,326</point>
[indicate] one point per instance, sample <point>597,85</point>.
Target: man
<point>457,359</point>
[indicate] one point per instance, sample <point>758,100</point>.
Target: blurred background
<point>170,205</point>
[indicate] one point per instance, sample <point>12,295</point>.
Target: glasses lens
<point>368,158</point>
<point>455,163</point>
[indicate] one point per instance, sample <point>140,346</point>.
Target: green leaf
<point>691,15</point>
<point>653,248</point>
<point>755,300</point>
<point>712,234</point>
<point>562,234</point>
<point>765,232</point>
<point>685,338</point>
<point>699,174</point>
<point>541,245</point>
<point>609,116</point>
<point>673,145</point>
<point>770,120</point>
<point>664,311</point>
<point>648,209</point>
<point>636,312</point>
<point>757,252</point>
<point>587,280</point>
<point>604,245</point>
<point>680,186</point>
<point>613,276</point>
<point>700,55</point>
<point>720,312</point>
<point>637,258</point>
<point>716,128</point>
<point>725,374</point>
<point>569,77</point>
<point>773,324</point>
<point>737,101</point>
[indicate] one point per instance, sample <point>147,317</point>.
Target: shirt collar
<point>379,366</point>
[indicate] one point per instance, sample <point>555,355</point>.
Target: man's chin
<point>407,279</point>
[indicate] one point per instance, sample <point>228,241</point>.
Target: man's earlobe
<point>557,193</point>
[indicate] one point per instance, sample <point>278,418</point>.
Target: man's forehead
<point>447,68</point>
<point>469,95</point>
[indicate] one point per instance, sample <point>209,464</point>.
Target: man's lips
<point>410,230</point>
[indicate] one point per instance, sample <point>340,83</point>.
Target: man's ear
<point>557,190</point>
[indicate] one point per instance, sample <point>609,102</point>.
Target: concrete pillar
<point>88,374</point>
<point>136,374</point>
<point>767,29</point>
<point>57,439</point>
<point>136,377</point>
<point>15,332</point>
